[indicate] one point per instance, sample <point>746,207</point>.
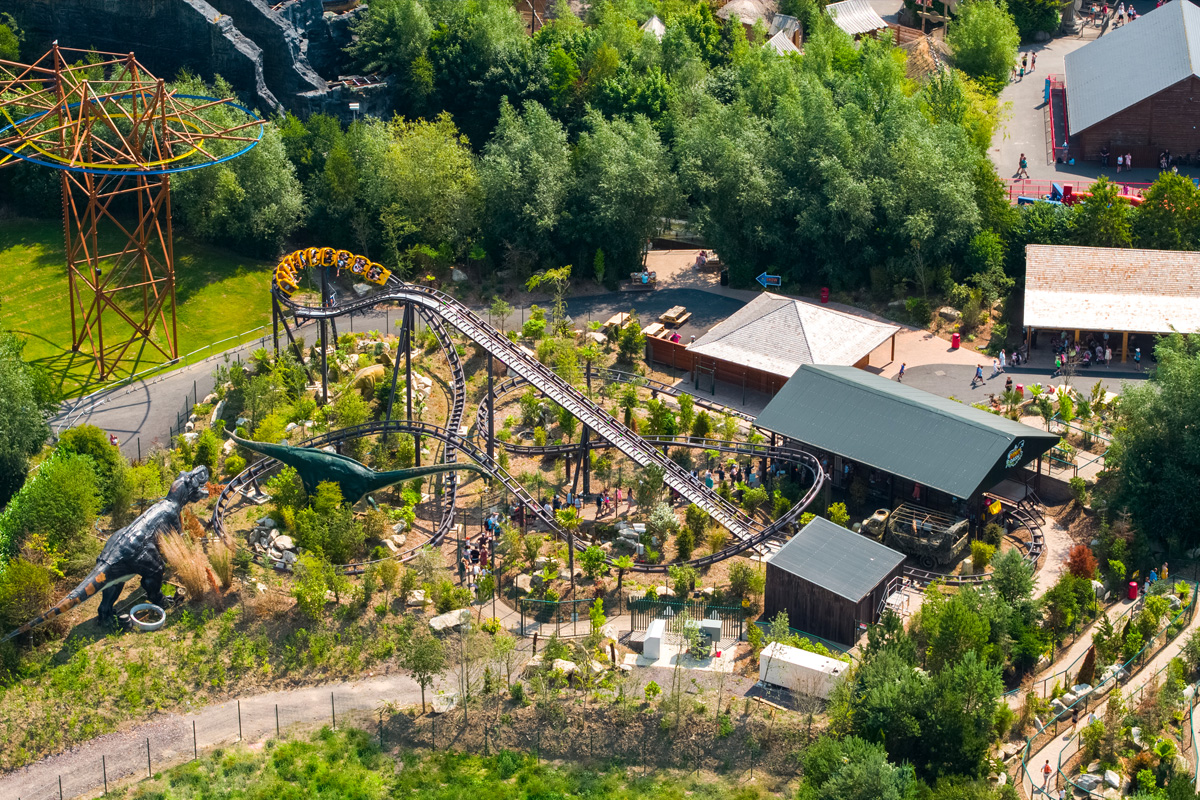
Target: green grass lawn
<point>219,293</point>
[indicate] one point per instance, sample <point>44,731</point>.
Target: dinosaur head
<point>189,487</point>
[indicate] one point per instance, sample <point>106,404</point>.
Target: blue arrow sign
<point>769,280</point>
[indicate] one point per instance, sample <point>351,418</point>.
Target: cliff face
<point>285,65</point>
<point>166,36</point>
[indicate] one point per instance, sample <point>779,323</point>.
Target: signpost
<point>768,281</point>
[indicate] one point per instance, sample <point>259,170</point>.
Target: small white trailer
<point>799,670</point>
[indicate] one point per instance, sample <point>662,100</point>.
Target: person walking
<point>900,376</point>
<point>1033,63</point>
<point>978,375</point>
<point>1137,358</point>
<point>1120,162</point>
<point>1047,771</point>
<point>1129,162</point>
<point>1024,61</point>
<point>1023,167</point>
<point>1003,361</point>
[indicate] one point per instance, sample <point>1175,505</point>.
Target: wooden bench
<point>675,316</point>
<point>655,329</point>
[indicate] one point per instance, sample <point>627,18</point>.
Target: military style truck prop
<point>933,540</point>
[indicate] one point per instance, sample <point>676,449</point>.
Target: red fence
<point>1038,189</point>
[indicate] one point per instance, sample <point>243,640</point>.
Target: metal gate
<point>642,612</point>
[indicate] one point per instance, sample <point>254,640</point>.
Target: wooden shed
<point>829,579</point>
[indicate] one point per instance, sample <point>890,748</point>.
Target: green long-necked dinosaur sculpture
<point>356,480</point>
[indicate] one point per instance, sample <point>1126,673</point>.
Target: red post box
<point>955,341</point>
<point>1133,590</point>
<point>824,294</point>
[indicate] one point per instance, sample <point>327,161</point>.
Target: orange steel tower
<point>116,135</point>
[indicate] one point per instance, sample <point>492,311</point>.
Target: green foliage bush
<point>981,554</point>
<point>59,502</point>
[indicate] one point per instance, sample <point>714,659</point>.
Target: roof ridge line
<point>907,399</point>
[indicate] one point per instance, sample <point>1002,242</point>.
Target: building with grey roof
<point>1136,90</point>
<point>831,581</point>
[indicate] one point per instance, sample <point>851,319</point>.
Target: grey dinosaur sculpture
<point>356,480</point>
<point>133,550</point>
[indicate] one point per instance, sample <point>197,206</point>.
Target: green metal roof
<point>935,441</point>
<point>841,561</point>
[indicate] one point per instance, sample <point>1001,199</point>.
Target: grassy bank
<point>346,764</point>
<point>219,294</point>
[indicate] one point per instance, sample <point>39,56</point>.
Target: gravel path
<point>171,742</point>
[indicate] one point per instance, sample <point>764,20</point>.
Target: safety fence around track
<point>1126,673</point>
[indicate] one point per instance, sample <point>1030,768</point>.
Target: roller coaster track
<point>643,453</point>
<point>260,470</point>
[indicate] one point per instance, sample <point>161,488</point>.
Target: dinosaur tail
<point>396,476</point>
<point>90,585</point>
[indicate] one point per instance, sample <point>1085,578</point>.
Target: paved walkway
<point>1054,749</point>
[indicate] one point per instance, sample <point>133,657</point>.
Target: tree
<point>10,39</point>
<point>1012,577</point>
<point>1087,670</point>
<point>255,200</point>
<point>311,580</point>
<point>388,572</point>
<point>425,658</point>
<point>623,564</point>
<point>25,401</point>
<point>1152,458</point>
<point>683,579</point>
<point>984,38</point>
<point>109,464</point>
<point>525,174</point>
<point>499,311</point>
<point>623,187</point>
<point>630,341</point>
<point>1169,216</point>
<point>702,427</point>
<point>1103,219</point>
<point>1081,562</point>
<point>685,543</point>
<point>661,523</point>
<point>558,281</point>
<point>687,411</point>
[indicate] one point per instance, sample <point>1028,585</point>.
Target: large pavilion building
<point>1136,90</point>
<point>1119,295</point>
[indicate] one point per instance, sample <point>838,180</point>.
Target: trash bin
<point>955,341</point>
<point>824,294</point>
<point>1133,590</point>
<point>724,277</point>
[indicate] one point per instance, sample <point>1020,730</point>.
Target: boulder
<point>291,426</point>
<point>949,314</point>
<point>1112,779</point>
<point>285,543</point>
<point>265,522</point>
<point>416,598</point>
<point>288,558</point>
<point>541,562</point>
<point>1093,768</point>
<point>210,398</point>
<point>444,701</point>
<point>450,620</point>
<point>1088,783</point>
<point>398,539</point>
<point>536,579</point>
<point>1135,733</point>
<point>227,448</point>
<point>524,583</point>
<point>568,667</point>
<point>189,426</point>
<point>458,276</point>
<point>191,436</point>
<point>1068,699</point>
<point>399,527</point>
<point>391,546</point>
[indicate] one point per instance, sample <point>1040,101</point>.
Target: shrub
<point>517,692</point>
<point>234,464</point>
<point>918,310</point>
<point>838,514</point>
<point>753,498</point>
<point>220,557</point>
<point>208,448</point>
<point>1079,491</point>
<point>652,691</point>
<point>745,580</point>
<point>88,440</point>
<point>993,534</point>
<point>1087,670</point>
<point>60,502</point>
<point>1081,562</point>
<point>26,590</point>
<point>490,625</point>
<point>534,329</point>
<point>981,554</point>
<point>592,562</point>
<point>539,436</point>
<point>685,543</point>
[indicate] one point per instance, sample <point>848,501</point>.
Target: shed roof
<point>838,560</point>
<point>932,440</point>
<point>855,17</point>
<point>782,43</point>
<point>777,334</point>
<point>655,25</point>
<point>783,22</point>
<point>1158,50</point>
<point>1112,289</point>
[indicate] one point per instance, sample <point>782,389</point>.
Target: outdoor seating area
<point>641,281</point>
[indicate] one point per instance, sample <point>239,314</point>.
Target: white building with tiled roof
<point>777,334</point>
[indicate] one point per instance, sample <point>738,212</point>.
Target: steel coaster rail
<point>260,469</point>
<point>462,318</point>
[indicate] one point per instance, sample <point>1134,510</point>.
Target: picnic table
<point>676,315</point>
<point>655,329</point>
<point>617,321</point>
